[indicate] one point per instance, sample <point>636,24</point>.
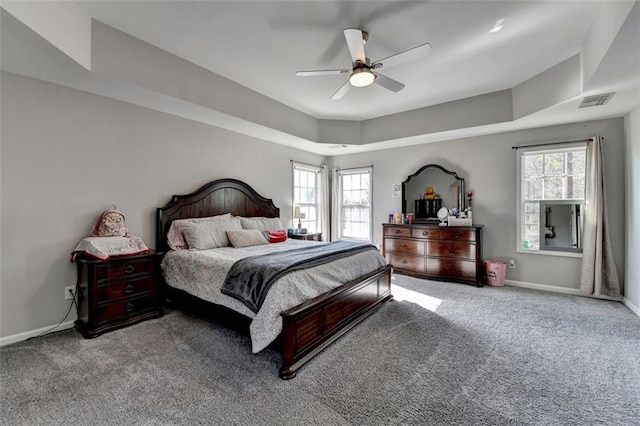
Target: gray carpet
<point>486,356</point>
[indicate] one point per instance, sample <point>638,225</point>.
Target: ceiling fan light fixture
<point>361,77</point>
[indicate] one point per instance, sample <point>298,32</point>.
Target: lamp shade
<point>297,214</point>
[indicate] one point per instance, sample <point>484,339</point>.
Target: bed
<point>306,328</point>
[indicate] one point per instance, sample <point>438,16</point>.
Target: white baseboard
<point>630,305</point>
<point>574,291</point>
<point>544,287</point>
<point>33,333</point>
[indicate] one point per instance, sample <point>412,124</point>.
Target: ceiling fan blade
<point>412,54</point>
<point>341,91</point>
<point>355,43</point>
<point>321,72</point>
<point>388,83</point>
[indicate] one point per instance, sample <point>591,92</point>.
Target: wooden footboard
<point>315,324</point>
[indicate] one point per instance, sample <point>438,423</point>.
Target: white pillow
<point>261,223</point>
<point>246,238</point>
<point>209,234</point>
<point>176,240</point>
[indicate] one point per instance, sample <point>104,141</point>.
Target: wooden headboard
<point>218,197</point>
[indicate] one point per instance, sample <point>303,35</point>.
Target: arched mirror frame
<point>461,195</point>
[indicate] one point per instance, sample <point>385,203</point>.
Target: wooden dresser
<point>446,253</point>
<point>117,292</point>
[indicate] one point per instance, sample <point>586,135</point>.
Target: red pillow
<point>276,235</point>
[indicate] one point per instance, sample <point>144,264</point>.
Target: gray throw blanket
<point>249,279</point>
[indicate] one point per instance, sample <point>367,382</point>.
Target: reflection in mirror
<point>561,225</point>
<point>429,189</point>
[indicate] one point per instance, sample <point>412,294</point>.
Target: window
<point>354,204</point>
<point>547,175</point>
<point>306,196</point>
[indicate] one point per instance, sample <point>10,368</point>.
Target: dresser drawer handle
<point>404,262</point>
<point>450,267</point>
<point>129,269</point>
<point>129,308</point>
<point>458,234</point>
<point>425,233</point>
<point>129,289</point>
<point>404,246</point>
<point>397,231</point>
<point>451,249</point>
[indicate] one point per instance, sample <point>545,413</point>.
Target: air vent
<point>596,100</point>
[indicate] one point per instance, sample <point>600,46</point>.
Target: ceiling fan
<point>363,71</point>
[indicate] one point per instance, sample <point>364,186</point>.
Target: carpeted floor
<point>440,354</point>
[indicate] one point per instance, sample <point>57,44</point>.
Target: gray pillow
<point>246,238</point>
<point>209,234</point>
<point>261,223</point>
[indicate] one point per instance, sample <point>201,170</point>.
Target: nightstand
<point>117,292</point>
<point>307,237</point>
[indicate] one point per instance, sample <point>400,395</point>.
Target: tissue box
<point>456,221</point>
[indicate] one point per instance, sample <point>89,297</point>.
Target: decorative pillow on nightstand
<point>103,248</point>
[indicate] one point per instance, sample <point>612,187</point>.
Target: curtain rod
<point>354,168</point>
<point>550,143</point>
<point>306,164</point>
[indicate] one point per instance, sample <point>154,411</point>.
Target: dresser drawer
<point>451,249</point>
<point>406,262</point>
<point>450,268</point>
<point>424,233</point>
<point>124,308</point>
<point>125,268</point>
<point>404,246</point>
<point>118,289</point>
<point>458,235</point>
<point>397,231</point>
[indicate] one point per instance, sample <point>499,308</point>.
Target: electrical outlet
<point>69,292</point>
<point>512,264</point>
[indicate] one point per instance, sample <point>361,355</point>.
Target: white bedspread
<point>202,273</point>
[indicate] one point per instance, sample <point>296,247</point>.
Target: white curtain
<point>599,274</point>
<point>335,213</point>
<point>325,194</point>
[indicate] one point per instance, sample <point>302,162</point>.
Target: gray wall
<point>488,165</point>
<point>632,270</point>
<point>67,155</point>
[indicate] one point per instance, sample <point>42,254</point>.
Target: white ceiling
<point>261,44</point>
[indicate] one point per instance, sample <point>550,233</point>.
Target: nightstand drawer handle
<point>129,289</point>
<point>458,235</point>
<point>129,308</point>
<point>450,267</point>
<point>129,269</point>
<point>404,246</point>
<point>404,262</point>
<point>425,233</point>
<point>451,249</point>
<point>397,231</point>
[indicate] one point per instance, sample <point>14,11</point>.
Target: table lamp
<point>297,214</point>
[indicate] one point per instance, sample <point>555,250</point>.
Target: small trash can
<point>495,271</point>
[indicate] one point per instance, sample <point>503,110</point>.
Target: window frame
<point>520,202</point>
<point>339,205</point>
<point>304,206</point>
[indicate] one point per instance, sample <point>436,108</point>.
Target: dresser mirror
<point>561,223</point>
<point>447,191</point>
